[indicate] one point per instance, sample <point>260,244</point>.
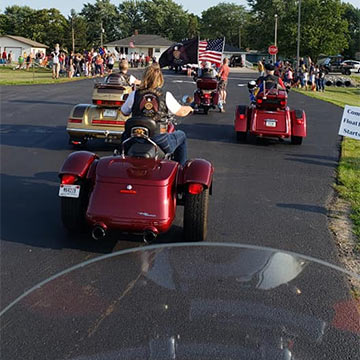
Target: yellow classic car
<point>103,118</point>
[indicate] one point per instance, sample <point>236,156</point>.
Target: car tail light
<point>195,189</point>
<point>76,121</point>
<point>242,116</point>
<point>259,101</point>
<point>68,179</point>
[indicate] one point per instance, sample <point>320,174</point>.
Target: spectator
<point>4,57</point>
<point>147,60</point>
<point>21,61</point>
<point>111,62</point>
<point>224,74</point>
<point>99,66</point>
<point>322,79</point>
<point>28,61</point>
<point>56,62</point>
<point>261,68</point>
<point>10,58</point>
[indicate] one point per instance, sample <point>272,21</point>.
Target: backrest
<point>141,127</point>
<point>206,83</point>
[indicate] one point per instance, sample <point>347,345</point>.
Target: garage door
<point>16,51</point>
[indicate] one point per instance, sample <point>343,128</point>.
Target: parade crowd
<point>309,75</point>
<point>88,63</point>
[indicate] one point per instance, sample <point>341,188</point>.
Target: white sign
<point>350,122</point>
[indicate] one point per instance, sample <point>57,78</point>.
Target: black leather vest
<point>153,105</point>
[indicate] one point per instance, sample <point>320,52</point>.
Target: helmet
<point>208,65</point>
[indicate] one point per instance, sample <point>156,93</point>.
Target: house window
<point>157,50</point>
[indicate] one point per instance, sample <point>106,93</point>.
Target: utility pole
<point>72,34</point>
<point>101,36</point>
<point>298,39</point>
<point>276,19</point>
<point>239,36</point>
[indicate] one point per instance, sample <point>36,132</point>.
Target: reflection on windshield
<point>188,301</point>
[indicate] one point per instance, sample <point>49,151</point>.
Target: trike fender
<point>197,171</point>
<point>298,123</point>
<point>78,163</point>
<point>241,118</point>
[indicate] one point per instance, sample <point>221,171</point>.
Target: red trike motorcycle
<point>269,116</point>
<point>135,190</point>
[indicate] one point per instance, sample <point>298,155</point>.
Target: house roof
<point>142,40</point>
<point>30,42</point>
<point>231,48</point>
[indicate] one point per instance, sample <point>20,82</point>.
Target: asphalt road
<point>268,193</point>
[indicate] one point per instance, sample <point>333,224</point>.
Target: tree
<point>323,28</point>
<point>165,18</point>
<point>224,19</point>
<point>18,20</point>
<point>105,13</point>
<point>131,17</point>
<point>193,26</point>
<point>352,16</point>
<point>78,24</point>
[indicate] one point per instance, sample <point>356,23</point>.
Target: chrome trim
<point>102,132</point>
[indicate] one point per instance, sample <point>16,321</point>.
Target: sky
<point>194,6</point>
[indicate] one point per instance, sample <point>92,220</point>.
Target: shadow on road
<point>209,132</point>
<point>314,160</point>
<point>304,207</point>
<point>30,214</point>
<point>44,102</point>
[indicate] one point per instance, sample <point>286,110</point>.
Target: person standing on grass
<point>56,62</point>
<point>9,60</point>
<point>4,57</point>
<point>111,62</point>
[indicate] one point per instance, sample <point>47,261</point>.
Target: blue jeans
<point>173,143</point>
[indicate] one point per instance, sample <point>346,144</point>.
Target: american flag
<point>211,50</point>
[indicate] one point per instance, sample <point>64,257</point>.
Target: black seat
<point>144,150</point>
<point>142,122</point>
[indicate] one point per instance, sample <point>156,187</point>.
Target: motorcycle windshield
<point>188,301</point>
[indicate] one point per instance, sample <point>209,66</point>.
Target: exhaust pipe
<point>150,235</point>
<point>98,232</point>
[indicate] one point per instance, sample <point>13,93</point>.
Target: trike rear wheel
<point>195,216</point>
<point>296,140</point>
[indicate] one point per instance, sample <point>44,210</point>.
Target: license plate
<point>270,123</point>
<point>72,191</point>
<point>110,113</point>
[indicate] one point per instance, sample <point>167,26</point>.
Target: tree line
<point>327,26</point>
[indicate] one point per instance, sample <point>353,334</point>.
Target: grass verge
<point>8,76</point>
<point>349,167</point>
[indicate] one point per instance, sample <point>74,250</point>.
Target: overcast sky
<point>194,6</point>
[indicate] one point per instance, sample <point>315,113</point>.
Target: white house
<point>152,45</point>
<point>20,45</point>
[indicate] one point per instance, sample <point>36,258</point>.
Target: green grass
<point>340,96</point>
<point>8,76</point>
<point>349,167</point>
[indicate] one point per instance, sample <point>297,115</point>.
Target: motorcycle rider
<point>150,87</point>
<point>128,80</point>
<point>207,71</point>
<point>271,80</point>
